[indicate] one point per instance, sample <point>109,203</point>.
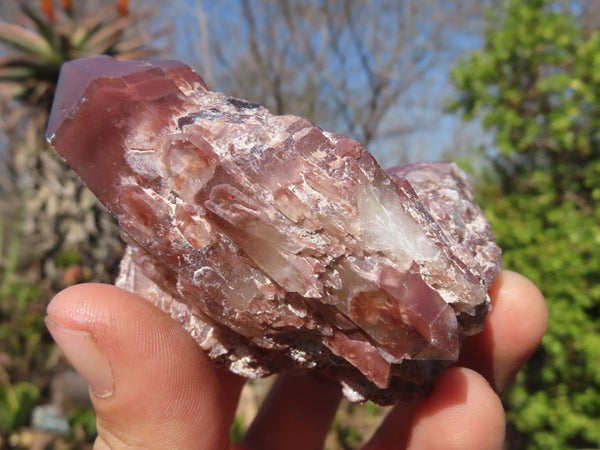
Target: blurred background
<point>508,89</point>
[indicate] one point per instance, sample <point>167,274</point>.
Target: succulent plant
<point>59,216</point>
<point>50,36</point>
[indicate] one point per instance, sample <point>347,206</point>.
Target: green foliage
<point>16,403</point>
<point>536,86</point>
<point>21,313</point>
<point>556,400</point>
<point>349,437</point>
<point>237,429</point>
<point>346,435</point>
<point>38,48</point>
<point>68,258</point>
<point>21,337</point>
<point>371,409</point>
<point>83,424</point>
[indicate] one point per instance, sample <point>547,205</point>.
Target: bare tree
<point>351,65</point>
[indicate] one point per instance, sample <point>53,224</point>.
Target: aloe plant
<point>58,214</point>
<point>37,49</point>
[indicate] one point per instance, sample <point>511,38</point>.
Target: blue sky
<point>436,133</point>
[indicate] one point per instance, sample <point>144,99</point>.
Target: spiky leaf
<point>27,41</point>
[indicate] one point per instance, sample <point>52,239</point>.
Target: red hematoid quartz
<point>276,244</point>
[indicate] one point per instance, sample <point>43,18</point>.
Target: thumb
<point>150,383</point>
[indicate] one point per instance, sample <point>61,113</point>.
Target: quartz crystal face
<point>276,244</point>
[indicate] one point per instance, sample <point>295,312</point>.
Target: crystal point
<point>276,244</point>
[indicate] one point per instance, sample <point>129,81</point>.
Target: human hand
<point>153,387</point>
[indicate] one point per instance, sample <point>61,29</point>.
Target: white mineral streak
<point>388,229</point>
<point>351,394</point>
<point>141,161</point>
<point>243,367</point>
<point>297,311</point>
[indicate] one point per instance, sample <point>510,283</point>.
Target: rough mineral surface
<point>276,244</point>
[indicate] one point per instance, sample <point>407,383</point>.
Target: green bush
<point>556,400</point>
<point>83,424</point>
<point>535,85</point>
<point>16,403</point>
<point>22,328</point>
<point>237,429</point>
<point>22,340</point>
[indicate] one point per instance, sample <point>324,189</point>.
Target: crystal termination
<point>276,244</point>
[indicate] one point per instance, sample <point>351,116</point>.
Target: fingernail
<point>82,350</point>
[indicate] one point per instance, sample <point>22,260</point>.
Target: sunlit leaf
<point>44,28</point>
<point>27,41</point>
<point>109,34</point>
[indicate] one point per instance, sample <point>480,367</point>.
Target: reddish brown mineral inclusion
<point>276,244</point>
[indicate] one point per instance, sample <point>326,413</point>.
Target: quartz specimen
<point>276,244</point>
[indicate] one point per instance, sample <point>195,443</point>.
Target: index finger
<point>514,329</point>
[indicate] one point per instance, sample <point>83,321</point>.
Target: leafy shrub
<point>535,87</point>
